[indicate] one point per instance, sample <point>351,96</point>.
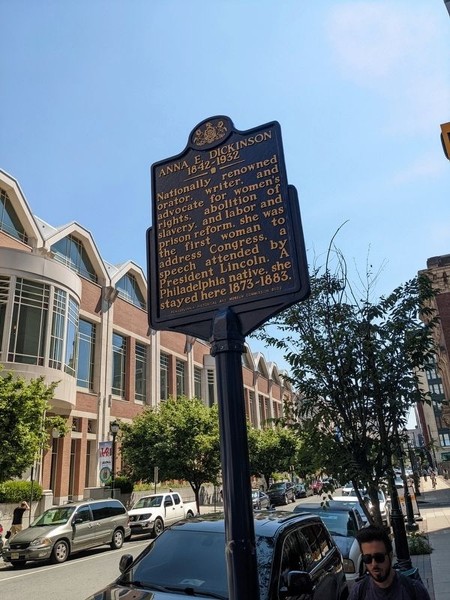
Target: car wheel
<point>117,539</point>
<point>60,552</point>
<point>190,514</point>
<point>286,499</point>
<point>18,563</point>
<point>158,527</point>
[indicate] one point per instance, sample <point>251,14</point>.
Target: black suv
<point>296,557</point>
<point>281,493</point>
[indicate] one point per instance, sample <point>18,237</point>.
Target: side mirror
<point>299,582</point>
<point>125,562</point>
<point>77,521</point>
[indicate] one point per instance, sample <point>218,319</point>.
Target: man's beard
<point>379,577</point>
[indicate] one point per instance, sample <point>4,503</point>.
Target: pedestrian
<point>433,480</point>
<point>16,524</point>
<point>381,579</point>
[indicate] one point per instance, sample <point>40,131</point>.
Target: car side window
<point>177,499</point>
<point>318,540</point>
<point>116,508</point>
<point>83,513</point>
<point>100,510</point>
<point>359,520</point>
<point>168,501</point>
<point>295,556</point>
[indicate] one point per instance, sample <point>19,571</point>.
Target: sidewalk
<point>434,568</point>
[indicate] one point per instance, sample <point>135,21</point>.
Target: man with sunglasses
<point>382,580</point>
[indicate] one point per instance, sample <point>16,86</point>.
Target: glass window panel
<point>86,354</point>
<point>119,364</point>
<point>4,292</point>
<point>9,222</point>
<point>71,252</point>
<point>128,289</point>
<point>70,359</point>
<point>29,322</point>
<point>164,362</point>
<point>211,387</point>
<point>181,377</point>
<point>197,382</point>
<point>140,373</point>
<point>57,332</point>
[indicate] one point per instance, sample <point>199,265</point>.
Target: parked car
<point>330,482</point>
<point>349,490</point>
<point>302,490</point>
<point>317,486</point>
<point>352,502</point>
<point>63,530</point>
<point>385,506</point>
<point>260,500</point>
<point>281,493</point>
<point>296,557</point>
<point>343,523</point>
<point>151,514</point>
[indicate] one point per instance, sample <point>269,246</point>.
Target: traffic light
<point>445,139</point>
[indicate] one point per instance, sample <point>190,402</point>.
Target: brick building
<point>434,419</point>
<point>70,316</point>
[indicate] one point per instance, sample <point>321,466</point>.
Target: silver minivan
<point>64,530</point>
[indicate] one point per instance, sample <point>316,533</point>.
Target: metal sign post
<point>226,253</point>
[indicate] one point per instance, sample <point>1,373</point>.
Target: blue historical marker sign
<point>226,231</point>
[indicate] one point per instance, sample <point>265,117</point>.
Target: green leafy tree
<point>271,450</point>
<point>24,422</point>
<point>180,437</point>
<point>356,362</point>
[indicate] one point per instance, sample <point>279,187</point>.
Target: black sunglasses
<point>378,557</point>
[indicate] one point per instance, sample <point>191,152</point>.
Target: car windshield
<point>165,564</point>
<point>338,523</point>
<point>277,486</point>
<point>148,501</point>
<point>54,516</point>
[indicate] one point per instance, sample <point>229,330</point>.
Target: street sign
<point>226,231</point>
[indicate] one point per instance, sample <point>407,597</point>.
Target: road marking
<point>76,561</point>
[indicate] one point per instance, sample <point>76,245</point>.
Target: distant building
<point>434,419</point>
<point>68,315</point>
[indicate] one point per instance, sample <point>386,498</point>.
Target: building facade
<point>434,418</point>
<point>68,315</point>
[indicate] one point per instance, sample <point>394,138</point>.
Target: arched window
<point>128,289</point>
<point>71,252</point>
<point>9,222</point>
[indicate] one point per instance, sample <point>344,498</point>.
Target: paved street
<point>88,572</point>
<point>76,579</point>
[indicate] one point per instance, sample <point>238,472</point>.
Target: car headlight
<point>349,566</point>
<point>145,517</point>
<point>41,541</point>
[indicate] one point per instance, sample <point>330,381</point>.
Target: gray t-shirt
<point>396,591</point>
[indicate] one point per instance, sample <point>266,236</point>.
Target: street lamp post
<point>114,429</point>
<point>411,524</point>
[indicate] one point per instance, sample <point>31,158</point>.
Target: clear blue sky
<point>94,91</point>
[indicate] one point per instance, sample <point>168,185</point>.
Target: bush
<point>418,543</point>
<point>16,491</point>
<point>123,484</point>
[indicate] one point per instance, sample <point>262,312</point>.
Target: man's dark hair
<point>374,534</point>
